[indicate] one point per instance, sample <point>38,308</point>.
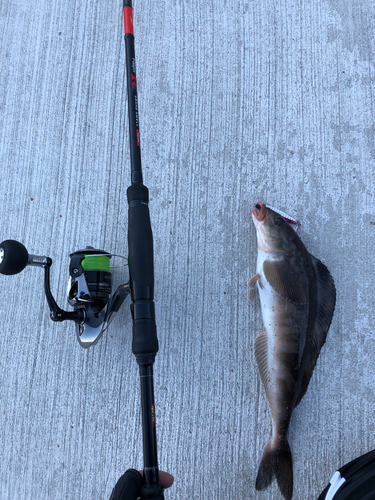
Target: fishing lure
<point>287,217</point>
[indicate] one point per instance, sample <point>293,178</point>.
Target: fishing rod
<point>141,270</point>
<point>90,280</point>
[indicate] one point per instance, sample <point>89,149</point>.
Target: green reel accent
<point>96,262</point>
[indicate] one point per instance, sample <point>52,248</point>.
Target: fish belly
<point>280,320</point>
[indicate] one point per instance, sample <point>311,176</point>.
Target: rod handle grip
<point>141,248</point>
<point>141,270</point>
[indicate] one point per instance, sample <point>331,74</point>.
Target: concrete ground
<point>240,102</point>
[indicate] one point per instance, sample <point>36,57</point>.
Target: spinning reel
<point>89,287</point>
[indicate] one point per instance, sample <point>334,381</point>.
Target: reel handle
<point>13,257</point>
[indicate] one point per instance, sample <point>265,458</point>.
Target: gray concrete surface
<point>239,102</point>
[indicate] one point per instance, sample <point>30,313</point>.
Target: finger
<point>166,479</point>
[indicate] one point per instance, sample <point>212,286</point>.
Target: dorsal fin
<point>326,292</point>
<point>261,349</point>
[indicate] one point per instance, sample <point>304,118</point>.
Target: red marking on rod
<point>134,81</point>
<point>128,21</point>
<point>138,142</point>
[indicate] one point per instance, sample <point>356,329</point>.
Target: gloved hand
<point>128,487</point>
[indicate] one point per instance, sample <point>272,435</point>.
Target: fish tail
<point>276,462</point>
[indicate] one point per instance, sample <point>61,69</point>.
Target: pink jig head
<point>288,218</point>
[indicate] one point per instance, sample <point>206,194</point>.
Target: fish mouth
<point>259,212</point>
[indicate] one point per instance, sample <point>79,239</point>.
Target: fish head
<point>274,233</point>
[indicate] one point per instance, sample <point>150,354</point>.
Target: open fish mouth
<point>260,212</point>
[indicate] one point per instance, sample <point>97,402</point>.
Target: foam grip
<point>141,269</point>
<point>141,253</point>
<point>13,257</point>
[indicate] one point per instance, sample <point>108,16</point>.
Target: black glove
<point>354,481</point>
<point>128,487</point>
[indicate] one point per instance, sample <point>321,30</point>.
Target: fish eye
<point>258,206</point>
<point>279,221</point>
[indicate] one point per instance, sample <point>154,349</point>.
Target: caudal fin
<point>276,462</point>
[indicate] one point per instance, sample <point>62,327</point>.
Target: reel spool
<point>89,287</point>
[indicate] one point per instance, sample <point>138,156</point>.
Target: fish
<point>298,296</point>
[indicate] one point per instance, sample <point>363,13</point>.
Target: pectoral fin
<point>284,279</point>
<point>252,284</point>
<point>325,308</point>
